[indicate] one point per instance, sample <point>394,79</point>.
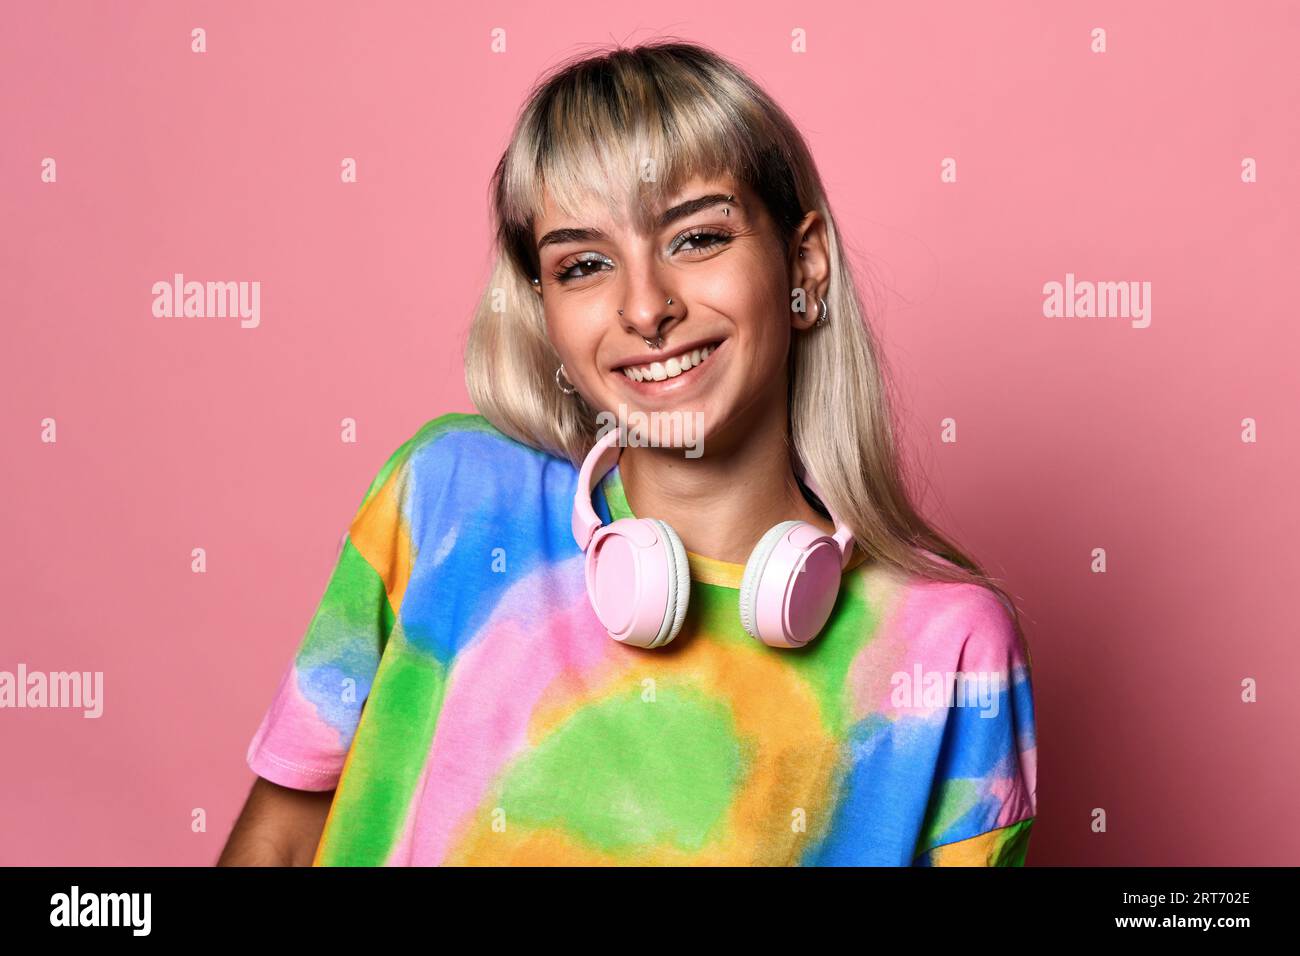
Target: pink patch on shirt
<point>293,746</point>
<point>517,654</point>
<point>927,628</point>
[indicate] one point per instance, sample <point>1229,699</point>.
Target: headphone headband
<point>843,535</point>
<point>604,456</point>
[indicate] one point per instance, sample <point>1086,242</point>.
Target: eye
<point>696,240</point>
<point>701,240</point>
<point>565,272</point>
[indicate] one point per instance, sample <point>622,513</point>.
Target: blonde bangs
<point>629,132</point>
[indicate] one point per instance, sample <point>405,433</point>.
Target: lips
<point>676,350</point>
<point>686,381</point>
<point>670,366</point>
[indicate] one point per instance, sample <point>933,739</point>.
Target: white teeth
<point>669,368</point>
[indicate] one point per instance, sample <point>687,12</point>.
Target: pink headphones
<point>639,582</point>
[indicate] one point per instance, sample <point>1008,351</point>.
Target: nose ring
<point>670,302</point>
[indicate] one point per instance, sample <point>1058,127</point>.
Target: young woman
<point>782,664</point>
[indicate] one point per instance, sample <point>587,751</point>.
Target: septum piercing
<point>659,339</point>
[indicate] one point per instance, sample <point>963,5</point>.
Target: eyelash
<point>723,237</point>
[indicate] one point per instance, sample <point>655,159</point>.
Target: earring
<point>560,372</point>
<point>823,313</point>
<point>537,280</point>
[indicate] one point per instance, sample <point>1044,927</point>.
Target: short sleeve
<point>984,797</point>
<point>304,737</point>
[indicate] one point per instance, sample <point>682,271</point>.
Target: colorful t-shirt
<point>458,691</point>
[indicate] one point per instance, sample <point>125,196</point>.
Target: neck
<point>721,503</point>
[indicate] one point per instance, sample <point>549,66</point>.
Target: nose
<point>649,309</point>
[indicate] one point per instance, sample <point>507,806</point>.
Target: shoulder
<point>465,447</point>
<point>460,434</point>
<point>460,471</point>
<point>965,623</point>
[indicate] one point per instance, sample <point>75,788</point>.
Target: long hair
<point>630,125</point>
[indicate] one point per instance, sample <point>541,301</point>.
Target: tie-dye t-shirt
<point>502,726</point>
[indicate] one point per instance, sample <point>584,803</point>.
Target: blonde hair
<point>594,126</point>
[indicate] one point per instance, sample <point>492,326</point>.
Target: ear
<point>810,266</point>
<point>536,286</point>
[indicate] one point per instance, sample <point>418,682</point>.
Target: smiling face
<point>725,336</point>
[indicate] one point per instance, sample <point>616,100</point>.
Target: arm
<point>985,795</point>
<point>300,750</point>
<point>277,827</point>
<point>301,745</point>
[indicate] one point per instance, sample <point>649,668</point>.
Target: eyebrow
<point>669,216</point>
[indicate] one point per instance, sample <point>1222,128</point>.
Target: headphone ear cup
<point>679,586</point>
<point>790,586</point>
<point>749,582</point>
<point>638,581</point>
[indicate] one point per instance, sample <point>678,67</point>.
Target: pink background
<point>1073,433</point>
